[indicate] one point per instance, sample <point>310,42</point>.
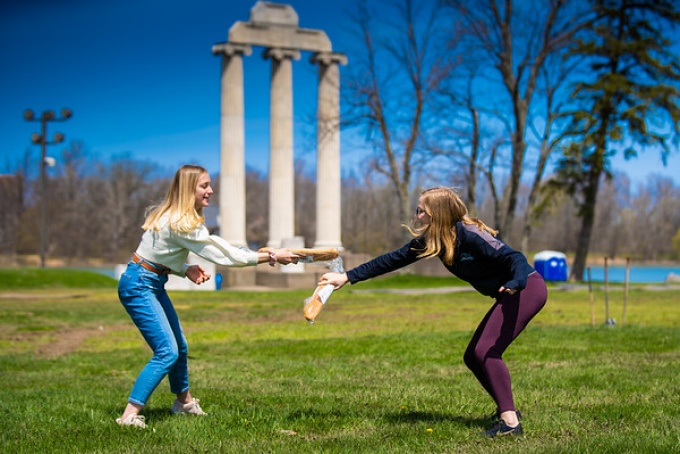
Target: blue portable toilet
<point>552,265</point>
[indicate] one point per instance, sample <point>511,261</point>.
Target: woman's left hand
<point>197,274</point>
<point>509,291</point>
<point>337,280</point>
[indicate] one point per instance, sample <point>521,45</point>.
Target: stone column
<point>232,210</point>
<point>328,175</point>
<point>281,165</point>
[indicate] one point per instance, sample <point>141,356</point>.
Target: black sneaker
<point>500,429</point>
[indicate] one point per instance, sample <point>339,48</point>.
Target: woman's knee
<point>477,355</point>
<point>472,358</point>
<point>167,355</point>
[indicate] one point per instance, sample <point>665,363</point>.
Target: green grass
<point>372,375</point>
<point>49,278</point>
<point>405,281</point>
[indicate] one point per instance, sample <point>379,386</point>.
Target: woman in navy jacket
<point>469,249</point>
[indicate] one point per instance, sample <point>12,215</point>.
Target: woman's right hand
<point>337,280</point>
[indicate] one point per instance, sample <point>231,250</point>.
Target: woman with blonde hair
<point>468,249</point>
<point>172,230</point>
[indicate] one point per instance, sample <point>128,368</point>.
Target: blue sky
<point>140,78</point>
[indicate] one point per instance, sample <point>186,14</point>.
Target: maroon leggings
<point>506,319</point>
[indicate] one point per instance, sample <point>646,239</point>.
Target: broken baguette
<point>316,302</point>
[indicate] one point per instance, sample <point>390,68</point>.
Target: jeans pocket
<point>129,285</point>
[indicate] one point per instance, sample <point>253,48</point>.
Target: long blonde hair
<point>445,209</point>
<point>179,203</point>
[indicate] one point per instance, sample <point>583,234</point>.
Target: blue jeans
<point>143,295</point>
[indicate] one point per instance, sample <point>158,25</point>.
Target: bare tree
<point>257,209</point>
<point>305,203</point>
<point>606,220</point>
<point>543,124</point>
<point>517,38</point>
<point>28,235</point>
<point>120,193</point>
<point>11,204</point>
<point>392,82</point>
<point>69,221</point>
<point>657,213</point>
<point>676,244</point>
<point>553,226</point>
<point>466,137</point>
<point>370,215</point>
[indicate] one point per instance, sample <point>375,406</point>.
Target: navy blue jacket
<point>480,259</point>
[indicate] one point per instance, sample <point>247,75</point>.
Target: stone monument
<point>274,27</point>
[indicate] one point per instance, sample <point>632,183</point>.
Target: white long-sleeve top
<point>170,248</point>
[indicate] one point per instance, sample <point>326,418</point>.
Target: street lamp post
<point>41,139</point>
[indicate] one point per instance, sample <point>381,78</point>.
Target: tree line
<point>520,104</point>
<point>529,99</point>
<point>95,210</point>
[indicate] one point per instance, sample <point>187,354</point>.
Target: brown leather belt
<point>150,266</point>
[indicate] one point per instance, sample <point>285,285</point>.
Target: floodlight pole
<point>41,139</point>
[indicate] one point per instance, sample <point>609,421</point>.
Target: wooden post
<point>590,297</point>
<point>625,291</point>
<point>609,320</point>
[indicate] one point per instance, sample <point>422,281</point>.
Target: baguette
<point>315,303</point>
<point>310,255</point>
<point>316,254</point>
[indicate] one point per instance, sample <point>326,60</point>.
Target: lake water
<point>638,274</point>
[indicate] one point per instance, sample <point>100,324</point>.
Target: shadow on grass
<point>152,414</point>
<point>426,416</point>
<point>401,417</point>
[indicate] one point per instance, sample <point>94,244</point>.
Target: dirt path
<point>68,341</point>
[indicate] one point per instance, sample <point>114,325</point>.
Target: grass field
<point>377,373</point>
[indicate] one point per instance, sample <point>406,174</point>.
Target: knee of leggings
<point>470,359</point>
<point>474,357</point>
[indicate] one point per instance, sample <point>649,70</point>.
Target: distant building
<point>11,206</point>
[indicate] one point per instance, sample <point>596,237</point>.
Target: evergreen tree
<point>628,98</point>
